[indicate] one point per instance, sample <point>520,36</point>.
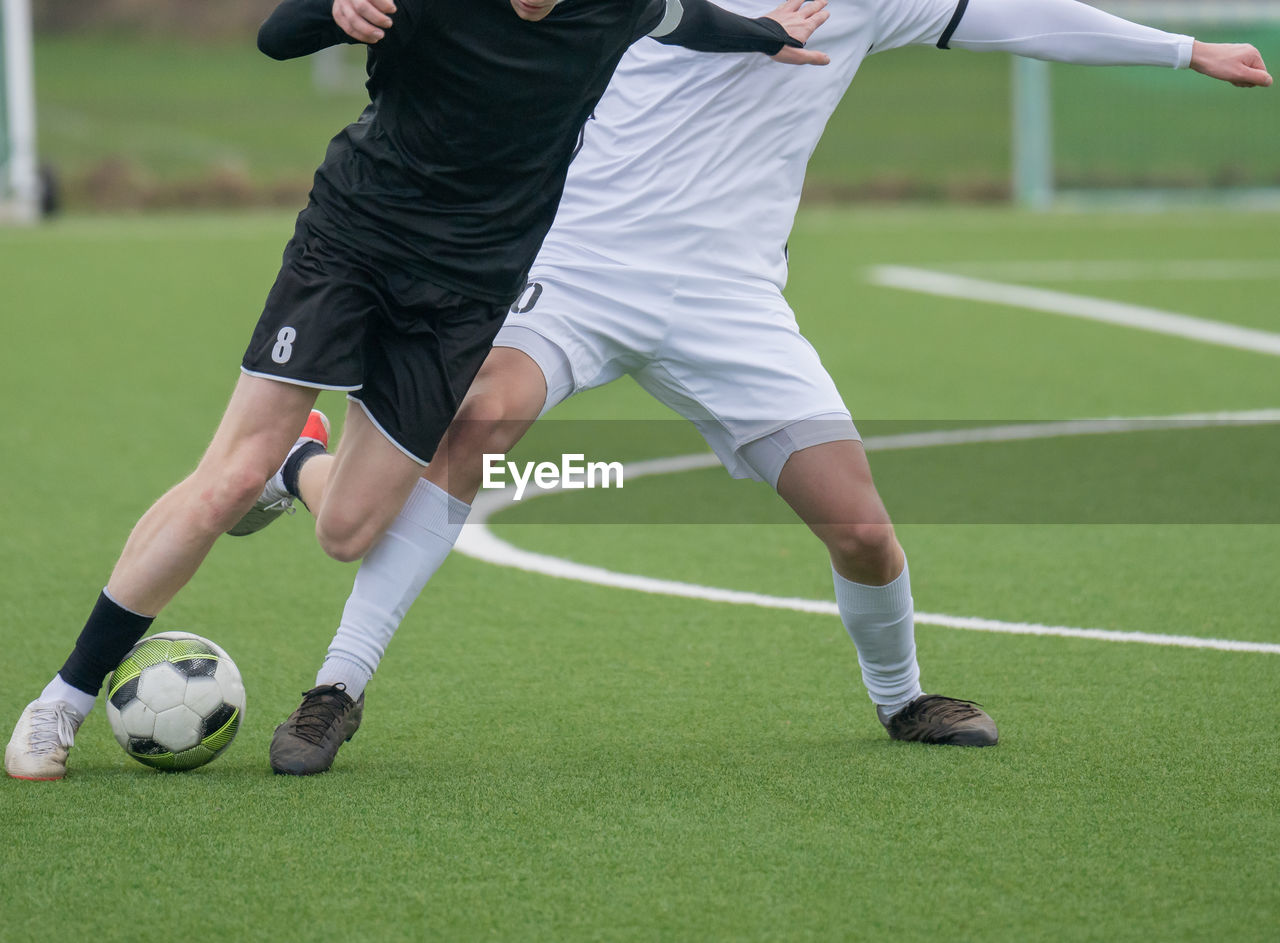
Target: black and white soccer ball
<point>176,701</point>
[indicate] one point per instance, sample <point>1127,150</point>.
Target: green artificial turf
<point>549,760</point>
<point>174,108</point>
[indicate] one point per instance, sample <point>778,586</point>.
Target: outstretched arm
<point>1068,31</point>
<point>701,25</point>
<point>299,28</point>
<point>695,24</point>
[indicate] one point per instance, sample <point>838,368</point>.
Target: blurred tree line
<point>189,18</point>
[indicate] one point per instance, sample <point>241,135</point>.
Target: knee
<point>485,423</point>
<point>345,537</point>
<point>223,496</point>
<point>869,550</point>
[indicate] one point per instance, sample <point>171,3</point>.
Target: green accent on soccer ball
<point>154,760</point>
<point>154,651</point>
<point>150,652</point>
<point>198,755</point>
<point>218,740</point>
<point>189,650</point>
<point>175,762</point>
<point>185,647</point>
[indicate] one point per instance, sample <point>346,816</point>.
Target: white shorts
<point>727,356</point>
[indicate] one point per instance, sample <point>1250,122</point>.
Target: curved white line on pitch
<point>1121,270</point>
<point>1141,318</point>
<point>478,542</point>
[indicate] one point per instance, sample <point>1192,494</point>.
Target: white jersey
<point>695,162</point>
<point>668,255</point>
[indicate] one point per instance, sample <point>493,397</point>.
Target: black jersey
<point>454,171</point>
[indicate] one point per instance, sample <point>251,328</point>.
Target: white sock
<point>880,621</point>
<point>390,578</point>
<point>59,690</point>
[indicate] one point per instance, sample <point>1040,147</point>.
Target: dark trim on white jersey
<point>670,19</point>
<point>943,42</point>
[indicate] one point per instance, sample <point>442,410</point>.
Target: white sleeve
<point>1066,31</point>
<point>913,22</point>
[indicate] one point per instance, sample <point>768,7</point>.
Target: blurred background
<point>144,105</point>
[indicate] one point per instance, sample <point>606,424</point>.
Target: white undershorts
<point>726,355</point>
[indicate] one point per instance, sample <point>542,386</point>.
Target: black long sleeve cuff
<point>299,28</point>
<point>706,27</point>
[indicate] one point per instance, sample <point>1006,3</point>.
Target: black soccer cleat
<point>308,741</point>
<point>932,718</point>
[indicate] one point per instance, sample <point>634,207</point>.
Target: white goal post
<point>1033,182</point>
<point>19,176</point>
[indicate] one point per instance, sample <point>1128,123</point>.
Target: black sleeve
<point>299,28</point>
<point>706,27</point>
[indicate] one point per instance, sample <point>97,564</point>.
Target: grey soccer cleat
<point>275,499</point>
<point>932,718</point>
<point>41,741</point>
<point>308,741</point>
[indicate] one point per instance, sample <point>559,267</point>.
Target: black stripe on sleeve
<point>951,27</point>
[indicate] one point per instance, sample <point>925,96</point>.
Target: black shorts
<point>405,349</point>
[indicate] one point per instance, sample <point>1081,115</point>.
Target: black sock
<point>106,638</point>
<point>293,465</point>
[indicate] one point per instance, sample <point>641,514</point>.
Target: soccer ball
<point>176,701</point>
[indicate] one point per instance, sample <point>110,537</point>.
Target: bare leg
<point>505,398</point>
<point>165,549</point>
<point>362,489</point>
<point>503,402</point>
<point>172,539</point>
<point>501,405</point>
<point>830,487</point>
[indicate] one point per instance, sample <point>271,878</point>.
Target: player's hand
<point>800,18</point>
<point>1237,63</point>
<point>364,20</point>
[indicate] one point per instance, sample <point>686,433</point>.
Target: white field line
<point>1123,270</point>
<point>1076,306</point>
<point>1019,432</point>
<point>480,543</point>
